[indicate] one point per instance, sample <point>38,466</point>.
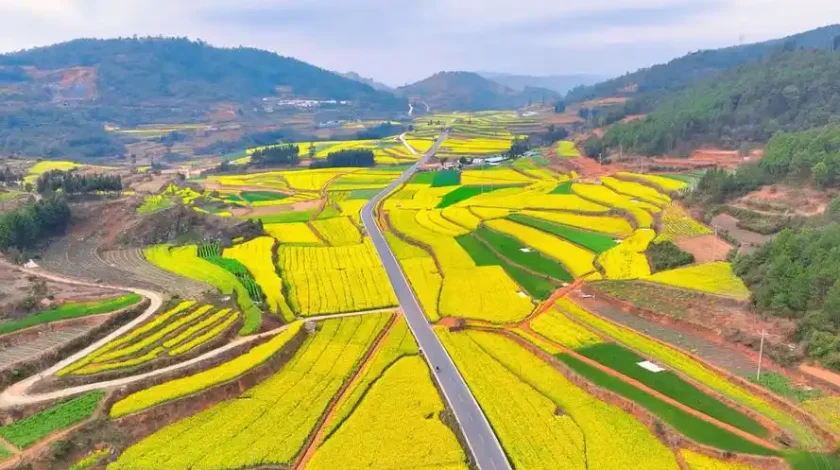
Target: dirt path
<point>17,393</point>
<point>317,437</point>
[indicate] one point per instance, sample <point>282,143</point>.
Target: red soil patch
<point>749,240</point>
<point>708,157</point>
<point>451,322</point>
<point>705,248</point>
<point>783,199</point>
<point>827,376</point>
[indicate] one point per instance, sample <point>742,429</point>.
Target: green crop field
<point>512,249</point>
<point>463,193</point>
<point>71,310</point>
<point>670,384</point>
<point>30,430</point>
<point>446,178</point>
<point>591,241</point>
<point>693,427</point>
<point>563,188</point>
<point>255,196</point>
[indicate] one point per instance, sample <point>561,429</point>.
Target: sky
<point>400,41</point>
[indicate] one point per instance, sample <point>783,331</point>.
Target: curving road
<point>479,435</point>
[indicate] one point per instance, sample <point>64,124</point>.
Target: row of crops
<point>176,333</point>
<point>272,425</point>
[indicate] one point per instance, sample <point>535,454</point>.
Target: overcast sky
<point>400,41</point>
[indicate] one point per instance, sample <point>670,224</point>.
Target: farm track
<point>17,395</point>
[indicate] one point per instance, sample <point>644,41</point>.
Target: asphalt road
<point>479,435</point>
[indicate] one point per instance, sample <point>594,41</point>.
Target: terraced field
<point>179,331</point>
<point>80,259</point>
<point>328,374</point>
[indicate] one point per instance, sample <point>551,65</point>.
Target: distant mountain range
<point>557,83</point>
<point>139,70</point>
<point>682,71</point>
<point>367,81</point>
<point>469,91</point>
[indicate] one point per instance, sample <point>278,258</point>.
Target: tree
<point>312,150</point>
<point>560,107</point>
<point>820,174</point>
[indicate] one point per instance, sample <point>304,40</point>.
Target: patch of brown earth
<point>786,200</point>
<point>749,240</point>
<point>705,248</point>
<point>707,158</point>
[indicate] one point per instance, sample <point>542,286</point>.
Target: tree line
<point>73,183</point>
<point>346,158</point>
<point>25,226</point>
<point>276,155</point>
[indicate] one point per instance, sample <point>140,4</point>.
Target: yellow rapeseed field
<point>627,260</point>
<point>576,259</point>
<point>446,250</point>
<point>338,231</point>
<point>701,462</point>
<point>667,184</point>
<point>715,278</point>
<point>521,396</point>
<point>293,232</point>
<point>615,226</point>
<point>560,329</point>
<point>676,225</point>
<point>395,410</point>
<point>323,280</point>
<point>422,273</point>
<point>636,190</point>
<point>257,255</point>
<point>639,210</point>
<point>689,366</point>
<point>269,425</point>
<point>483,293</point>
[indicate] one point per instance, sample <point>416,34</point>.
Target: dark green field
<point>70,310</point>
<point>256,196</point>
<point>692,427</point>
<point>563,188</point>
<point>670,384</point>
<point>511,248</point>
<point>446,178</point>
<point>463,193</point>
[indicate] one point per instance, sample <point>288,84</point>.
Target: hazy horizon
<point>402,45</point>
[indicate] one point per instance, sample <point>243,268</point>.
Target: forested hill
<point>468,91</point>
<point>682,71</point>
<point>132,70</point>
<point>787,91</point>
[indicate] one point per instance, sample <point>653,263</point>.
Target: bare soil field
<point>705,248</point>
<point>782,199</point>
<point>16,285</point>
<point>707,158</point>
<point>749,240</point>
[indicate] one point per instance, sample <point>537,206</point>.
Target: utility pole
<point>760,354</point>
